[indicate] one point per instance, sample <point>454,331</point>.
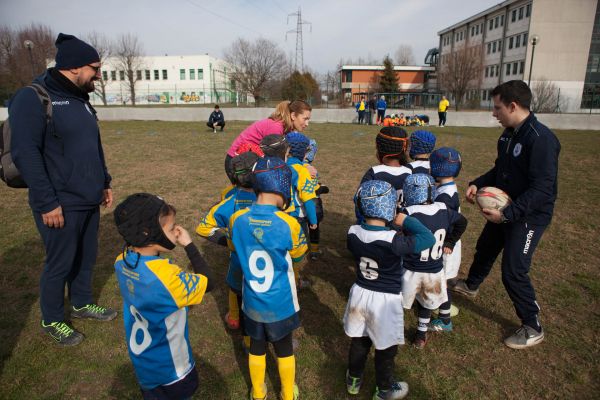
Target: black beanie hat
<point>73,53</point>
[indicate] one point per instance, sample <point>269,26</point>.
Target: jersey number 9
<point>265,274</point>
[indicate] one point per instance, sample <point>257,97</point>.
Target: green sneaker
<point>353,384</point>
<point>63,333</point>
<point>399,390</point>
<point>93,311</point>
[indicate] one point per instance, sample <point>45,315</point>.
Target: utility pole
<point>299,61</point>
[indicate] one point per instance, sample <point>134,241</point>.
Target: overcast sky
<point>340,28</point>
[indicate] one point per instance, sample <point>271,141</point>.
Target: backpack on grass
<point>8,171</point>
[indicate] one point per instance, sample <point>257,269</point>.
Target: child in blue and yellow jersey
<point>156,295</point>
<point>269,242</point>
<point>315,234</point>
<point>215,224</point>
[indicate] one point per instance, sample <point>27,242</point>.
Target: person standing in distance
<point>443,106</point>
<point>527,169</point>
<point>63,164</point>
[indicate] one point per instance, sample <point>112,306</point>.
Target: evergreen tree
<point>388,82</point>
<point>300,86</point>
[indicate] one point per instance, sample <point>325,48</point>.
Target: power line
<point>222,17</point>
<point>299,43</point>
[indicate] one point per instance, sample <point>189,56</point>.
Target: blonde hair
<point>283,112</point>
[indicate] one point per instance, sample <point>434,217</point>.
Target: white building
<point>502,35</point>
<point>195,79</point>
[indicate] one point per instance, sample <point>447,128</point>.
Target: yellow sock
<point>258,365</point>
<point>287,374</point>
<point>246,341</point>
<point>234,310</point>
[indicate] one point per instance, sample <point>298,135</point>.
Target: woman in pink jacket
<point>287,117</point>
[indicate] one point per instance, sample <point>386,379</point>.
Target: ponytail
<point>283,112</point>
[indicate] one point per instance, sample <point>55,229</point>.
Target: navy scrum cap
<point>73,53</point>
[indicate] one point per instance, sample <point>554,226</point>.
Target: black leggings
<point>384,361</point>
<point>283,347</point>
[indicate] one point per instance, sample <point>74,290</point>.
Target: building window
<point>502,20</point>
<point>486,72</point>
<point>496,20</point>
<point>511,42</point>
<point>525,39</point>
<point>522,67</point>
<point>472,31</point>
<point>105,75</point>
<point>121,75</point>
<point>497,70</point>
<point>138,74</point>
<point>477,30</point>
<point>528,10</point>
<point>489,48</point>
<point>156,76</point>
<point>515,66</point>
<point>481,29</point>
<point>201,75</point>
<point>514,15</point>
<point>182,74</point>
<point>494,47</point>
<point>499,44</point>
<point>164,75</point>
<point>147,73</point>
<point>192,74</point>
<point>507,70</point>
<point>461,35</point>
<point>491,26</point>
<point>518,41</point>
<point>113,75</point>
<point>520,13</point>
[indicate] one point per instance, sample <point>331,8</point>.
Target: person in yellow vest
<point>361,108</point>
<point>442,110</point>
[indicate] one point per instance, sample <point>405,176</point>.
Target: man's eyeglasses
<point>95,68</point>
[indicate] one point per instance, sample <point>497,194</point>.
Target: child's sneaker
<point>233,324</point>
<point>352,383</point>
<point>64,334</point>
<point>399,390</point>
<point>420,342</point>
<point>437,325</point>
<point>93,311</point>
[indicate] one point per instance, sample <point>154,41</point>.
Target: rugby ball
<point>492,197</point>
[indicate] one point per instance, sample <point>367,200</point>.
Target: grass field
<point>184,163</point>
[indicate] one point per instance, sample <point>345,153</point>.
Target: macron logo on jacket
<point>60,103</point>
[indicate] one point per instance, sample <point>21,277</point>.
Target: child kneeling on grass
<point>374,314</point>
<point>268,242</point>
<point>156,294</point>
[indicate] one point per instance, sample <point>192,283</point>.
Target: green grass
<point>184,163</point>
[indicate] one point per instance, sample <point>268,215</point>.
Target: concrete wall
<point>461,118</point>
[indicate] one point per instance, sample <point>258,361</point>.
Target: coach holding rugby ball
<point>526,168</point>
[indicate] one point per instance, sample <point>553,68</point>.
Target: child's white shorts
<point>452,262</point>
<point>375,314</point>
<point>428,288</point>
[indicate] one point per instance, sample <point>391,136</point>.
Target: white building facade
<point>193,79</point>
<point>502,36</point>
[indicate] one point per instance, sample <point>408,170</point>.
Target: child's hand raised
<point>182,236</point>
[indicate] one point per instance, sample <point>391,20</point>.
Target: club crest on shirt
<point>258,234</point>
<point>517,149</point>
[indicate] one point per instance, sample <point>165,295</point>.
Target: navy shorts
<point>180,390</point>
<point>271,331</point>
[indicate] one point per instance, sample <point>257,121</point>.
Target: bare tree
<point>546,97</point>
<point>255,65</point>
<point>104,48</point>
<point>404,55</point>
<point>460,73</point>
<point>128,53</point>
<point>19,64</point>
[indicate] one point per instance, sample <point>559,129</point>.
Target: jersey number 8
<point>437,249</point>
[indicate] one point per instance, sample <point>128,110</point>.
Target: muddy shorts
<point>428,288</point>
<point>375,314</point>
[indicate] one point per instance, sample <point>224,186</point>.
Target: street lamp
<point>535,39</point>
<point>29,45</point>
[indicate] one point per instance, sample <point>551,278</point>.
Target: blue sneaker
<point>437,325</point>
<point>399,390</point>
<point>352,383</point>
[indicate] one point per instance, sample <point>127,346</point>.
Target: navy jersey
<point>378,252</point>
<point>447,193</point>
<point>439,219</point>
<point>420,167</point>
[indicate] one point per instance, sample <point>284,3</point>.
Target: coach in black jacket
<point>63,164</point>
<point>527,169</point>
